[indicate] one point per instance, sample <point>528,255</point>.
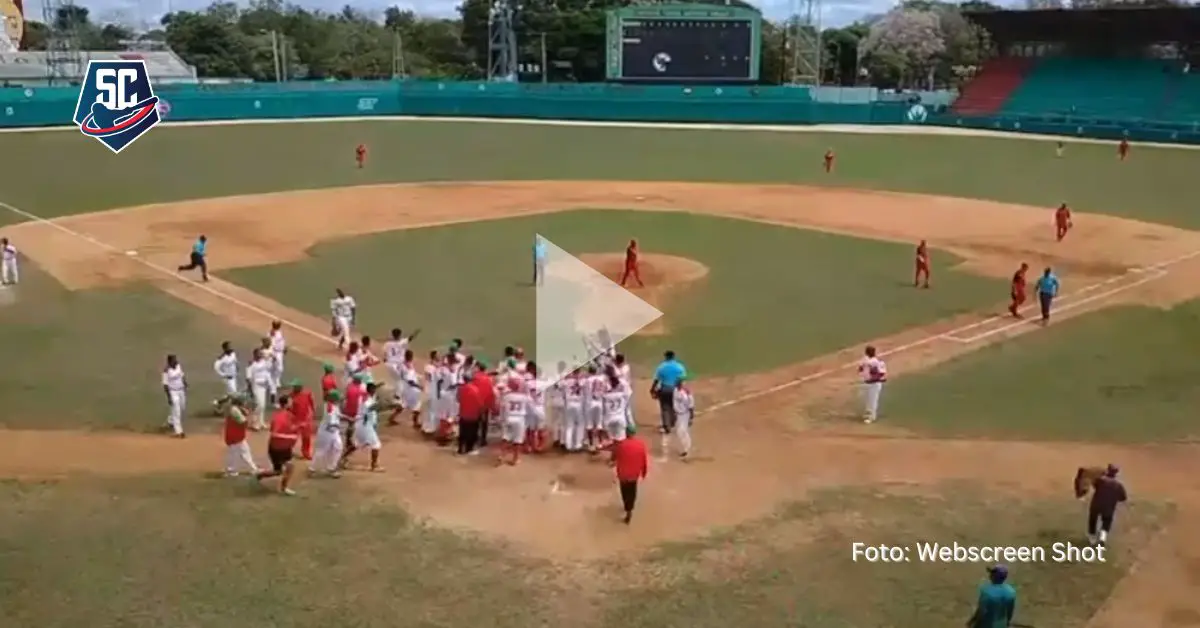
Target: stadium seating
<point>30,67</point>
<point>991,87</point>
<point>1183,101</point>
<point>1094,88</point>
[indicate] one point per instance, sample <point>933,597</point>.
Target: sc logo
<point>117,87</point>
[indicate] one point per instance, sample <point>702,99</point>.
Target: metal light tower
<point>502,42</point>
<point>65,62</point>
<point>804,34</point>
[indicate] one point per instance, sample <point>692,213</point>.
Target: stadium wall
<point>33,107</point>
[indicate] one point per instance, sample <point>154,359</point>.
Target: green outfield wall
<point>31,107</point>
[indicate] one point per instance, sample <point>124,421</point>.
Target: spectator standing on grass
<point>667,377</point>
<point>997,601</point>
<point>1047,290</point>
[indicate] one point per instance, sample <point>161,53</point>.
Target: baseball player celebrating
<point>515,408</point>
<point>277,350</point>
<point>344,311</point>
<point>9,273</point>
<point>329,437</point>
<point>366,429</point>
<point>258,382</point>
<point>393,358</point>
<point>613,402</point>
<point>237,449</point>
<point>226,368</point>
<point>574,428</point>
<point>874,375</point>
<point>174,383</point>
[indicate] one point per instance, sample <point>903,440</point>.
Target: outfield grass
<point>1118,375</point>
<point>91,359</point>
<point>198,162</point>
<point>774,295</point>
<point>774,580</point>
<point>178,551</point>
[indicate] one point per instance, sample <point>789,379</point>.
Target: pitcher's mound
<point>663,276</point>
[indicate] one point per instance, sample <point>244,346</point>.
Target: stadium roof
<point>1124,24</point>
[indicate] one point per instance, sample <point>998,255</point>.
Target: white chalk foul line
<point>165,271</point>
<point>1159,274</point>
<point>1157,271</point>
<point>952,334</point>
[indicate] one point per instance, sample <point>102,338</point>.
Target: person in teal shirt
<point>997,601</point>
<point>198,258</point>
<point>539,261</point>
<point>667,377</point>
<point>1047,290</point>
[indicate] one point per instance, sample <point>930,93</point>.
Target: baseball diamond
<point>360,337</point>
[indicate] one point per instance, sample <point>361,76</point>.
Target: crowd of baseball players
<point>454,397</point>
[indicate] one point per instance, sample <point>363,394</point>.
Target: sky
<point>834,13</point>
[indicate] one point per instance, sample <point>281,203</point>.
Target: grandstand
<point>1106,66</point>
<point>31,68</point>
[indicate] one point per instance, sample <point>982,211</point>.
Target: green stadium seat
<point>1117,89</point>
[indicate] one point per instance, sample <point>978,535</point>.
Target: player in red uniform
<point>1018,291</point>
<point>830,157</point>
<point>631,265</point>
<point>1062,222</point>
<point>922,266</point>
<point>360,155</point>
<point>1123,149</point>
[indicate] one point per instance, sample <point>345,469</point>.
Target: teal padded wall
<point>728,104</point>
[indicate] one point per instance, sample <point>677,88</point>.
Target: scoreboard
<point>683,44</point>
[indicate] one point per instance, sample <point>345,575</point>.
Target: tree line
<point>916,44</point>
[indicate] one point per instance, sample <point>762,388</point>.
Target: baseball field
<point>773,276</point>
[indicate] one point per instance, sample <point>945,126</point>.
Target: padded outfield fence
<point>33,107</point>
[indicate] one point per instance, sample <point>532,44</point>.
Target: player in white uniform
<point>874,375</point>
<point>277,349</point>
<point>574,429</point>
<point>258,382</point>
<point>625,373</point>
<point>226,368</point>
<point>329,443</point>
<point>9,272</point>
<point>433,382</point>
<point>393,359</point>
<point>685,413</point>
<point>408,383</point>
<point>174,383</point>
<point>556,406</point>
<point>514,408</point>
<point>343,311</point>
<point>594,387</point>
<point>366,429</point>
<point>367,359</point>
<point>451,374</point>
<point>353,363</point>
<point>536,428</point>
<point>614,401</point>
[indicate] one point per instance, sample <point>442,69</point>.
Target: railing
<point>1133,128</point>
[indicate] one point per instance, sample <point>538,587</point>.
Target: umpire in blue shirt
<point>1047,290</point>
<point>196,260</point>
<point>667,377</point>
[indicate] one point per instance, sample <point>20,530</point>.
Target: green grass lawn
<point>184,551</point>
<point>91,359</point>
<point>1117,375</point>
<point>816,584</point>
<point>774,295</point>
<point>196,162</point>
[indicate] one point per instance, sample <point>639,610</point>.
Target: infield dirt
<point>757,451</point>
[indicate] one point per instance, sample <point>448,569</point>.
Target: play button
<point>581,313</point>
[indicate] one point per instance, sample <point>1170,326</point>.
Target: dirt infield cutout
<point>757,448</point>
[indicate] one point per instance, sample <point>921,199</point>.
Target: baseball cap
<point>998,572</point>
